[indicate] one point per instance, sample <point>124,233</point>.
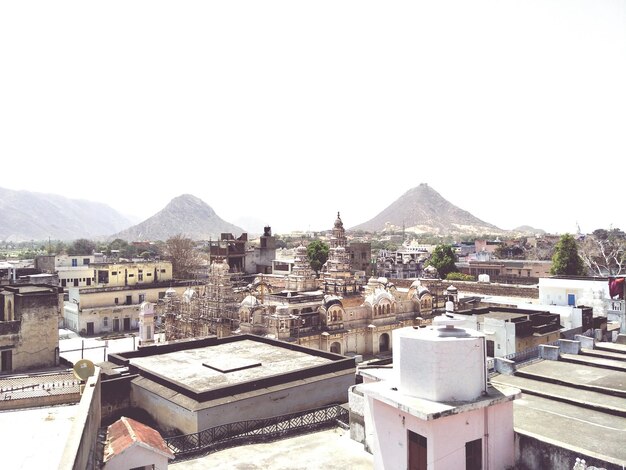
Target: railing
<point>529,354</point>
<point>256,430</point>
<point>58,387</point>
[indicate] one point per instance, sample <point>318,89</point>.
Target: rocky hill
<point>26,215</point>
<point>424,210</point>
<point>184,214</point>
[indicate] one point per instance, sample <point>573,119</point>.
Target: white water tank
<point>440,363</point>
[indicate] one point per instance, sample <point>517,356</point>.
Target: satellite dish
<point>84,369</point>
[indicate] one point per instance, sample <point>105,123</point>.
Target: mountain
<point>424,210</point>
<point>26,215</point>
<point>184,214</point>
<point>528,229</point>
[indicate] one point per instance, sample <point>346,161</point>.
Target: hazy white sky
<point>288,111</point>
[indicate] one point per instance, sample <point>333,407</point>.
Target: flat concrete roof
<point>316,451</point>
<point>259,360</point>
<point>430,410</point>
<point>35,437</point>
<point>575,405</point>
<point>586,432</point>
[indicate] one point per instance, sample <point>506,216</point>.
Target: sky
<point>285,112</point>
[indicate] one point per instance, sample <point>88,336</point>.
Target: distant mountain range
<point>424,210</point>
<point>26,215</point>
<point>184,214</point>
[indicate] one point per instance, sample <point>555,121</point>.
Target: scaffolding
<point>203,310</point>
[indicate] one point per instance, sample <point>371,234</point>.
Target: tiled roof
<point>127,432</point>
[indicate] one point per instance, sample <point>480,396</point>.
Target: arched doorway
<point>335,348</point>
<point>383,342</point>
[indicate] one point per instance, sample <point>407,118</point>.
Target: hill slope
<point>424,210</point>
<point>26,215</point>
<point>184,214</point>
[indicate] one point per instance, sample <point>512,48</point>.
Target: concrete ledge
<point>549,352</point>
<point>504,366</point>
<point>585,341</point>
<point>569,347</point>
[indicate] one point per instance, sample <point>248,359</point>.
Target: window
<point>162,295</point>
<point>85,261</point>
<point>74,262</point>
<point>103,277</point>
<point>474,455</point>
<point>131,275</point>
<point>63,282</point>
<point>105,322</point>
<point>129,299</point>
<point>162,270</point>
<point>113,273</point>
<point>116,300</point>
<point>140,275</point>
<point>142,297</point>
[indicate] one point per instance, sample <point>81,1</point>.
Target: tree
<point>444,260</point>
<point>317,252</point>
<point>566,259</point>
<point>183,255</point>
<point>82,246</point>
<point>604,252</point>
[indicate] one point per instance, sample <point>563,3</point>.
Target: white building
<point>436,410</point>
<point>592,292</point>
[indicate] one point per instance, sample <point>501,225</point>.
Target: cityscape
<point>332,235</point>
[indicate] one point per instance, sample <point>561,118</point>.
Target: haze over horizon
<point>287,113</point>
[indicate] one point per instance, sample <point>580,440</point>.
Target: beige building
<point>29,335</point>
<point>112,303</point>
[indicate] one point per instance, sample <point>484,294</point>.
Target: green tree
<point>566,259</point>
<point>460,277</point>
<point>443,259</point>
<point>317,252</point>
<point>82,246</point>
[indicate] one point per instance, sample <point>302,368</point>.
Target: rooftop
<point>207,368</point>
<point>576,402</point>
<point>201,372</point>
<point>315,451</point>
<point>37,436</point>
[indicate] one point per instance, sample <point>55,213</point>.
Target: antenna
<point>84,369</point>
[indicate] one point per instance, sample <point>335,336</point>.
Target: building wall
<point>532,453</point>
<point>297,397</point>
<point>131,274</point>
<point>80,447</point>
<point>446,437</point>
<point>169,416</point>
<point>137,456</point>
<point>100,308</point>
<point>289,398</point>
<point>34,342</point>
<point>590,292</point>
<point>76,277</point>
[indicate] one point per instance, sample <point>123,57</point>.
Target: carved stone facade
<point>337,277</point>
<point>355,325</point>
